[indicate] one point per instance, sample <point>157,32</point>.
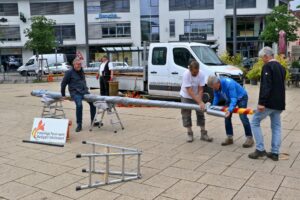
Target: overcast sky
<point>294,4</point>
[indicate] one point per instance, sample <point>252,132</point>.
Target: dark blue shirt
<point>75,81</point>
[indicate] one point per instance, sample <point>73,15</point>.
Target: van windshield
<point>30,62</point>
<point>206,55</point>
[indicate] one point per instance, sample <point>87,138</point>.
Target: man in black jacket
<point>75,79</point>
<point>271,103</point>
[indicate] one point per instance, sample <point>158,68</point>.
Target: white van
<point>166,64</point>
<point>32,65</point>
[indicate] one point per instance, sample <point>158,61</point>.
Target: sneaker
<point>257,154</point>
<point>273,156</point>
<point>249,142</point>
<point>228,141</point>
<point>79,128</point>
<point>205,137</point>
<point>190,137</point>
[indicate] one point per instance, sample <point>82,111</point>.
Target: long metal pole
<point>234,28</point>
<point>87,51</point>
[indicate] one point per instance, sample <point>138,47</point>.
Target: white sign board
<point>48,130</point>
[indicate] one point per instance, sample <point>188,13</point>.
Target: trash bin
<point>113,88</point>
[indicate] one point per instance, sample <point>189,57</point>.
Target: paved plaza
<point>171,168</point>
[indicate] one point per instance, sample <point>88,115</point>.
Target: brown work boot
<point>205,137</point>
<point>228,141</point>
<point>249,142</point>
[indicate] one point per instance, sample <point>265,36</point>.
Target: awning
<point>122,49</point>
<point>245,16</point>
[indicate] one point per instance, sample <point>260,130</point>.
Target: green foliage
<point>232,60</point>
<point>236,60</point>
<point>280,19</point>
<point>40,35</point>
<point>295,64</point>
<point>255,72</point>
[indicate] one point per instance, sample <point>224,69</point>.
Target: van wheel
<point>24,73</point>
<point>208,95</point>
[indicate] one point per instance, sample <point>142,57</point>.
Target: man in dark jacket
<point>271,103</point>
<point>75,79</point>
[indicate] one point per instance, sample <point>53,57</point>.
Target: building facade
<point>123,23</point>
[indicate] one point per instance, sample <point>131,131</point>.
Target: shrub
<point>236,61</point>
<point>255,72</point>
<point>232,60</point>
<point>295,64</point>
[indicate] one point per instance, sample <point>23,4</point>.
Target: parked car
<point>57,68</point>
<point>249,62</point>
<point>32,65</point>
<point>13,63</point>
<point>95,66</point>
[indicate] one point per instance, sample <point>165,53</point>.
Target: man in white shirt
<point>106,75</point>
<point>192,92</point>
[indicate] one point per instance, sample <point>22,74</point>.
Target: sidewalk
<point>171,168</point>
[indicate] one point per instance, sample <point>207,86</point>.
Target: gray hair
<point>212,80</point>
<point>266,51</point>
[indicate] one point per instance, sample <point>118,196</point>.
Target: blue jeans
<point>242,103</point>
<point>78,102</point>
<point>275,126</point>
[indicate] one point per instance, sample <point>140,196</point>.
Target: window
<point>271,4</point>
<point>283,2</point>
<point>10,33</point>
<point>116,30</point>
<point>154,3</point>
<point>198,26</point>
<point>109,30</point>
<point>172,28</point>
<point>159,56</point>
<point>245,27</point>
<point>95,31</point>
<point>93,6</point>
<point>52,8</point>
<point>30,62</point>
<point>182,57</point>
<point>65,32</point>
<point>206,55</point>
<point>190,5</point>
<point>241,4</point>
<point>9,9</point>
<point>112,6</point>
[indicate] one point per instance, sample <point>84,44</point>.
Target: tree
<point>280,19</point>
<point>41,37</point>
